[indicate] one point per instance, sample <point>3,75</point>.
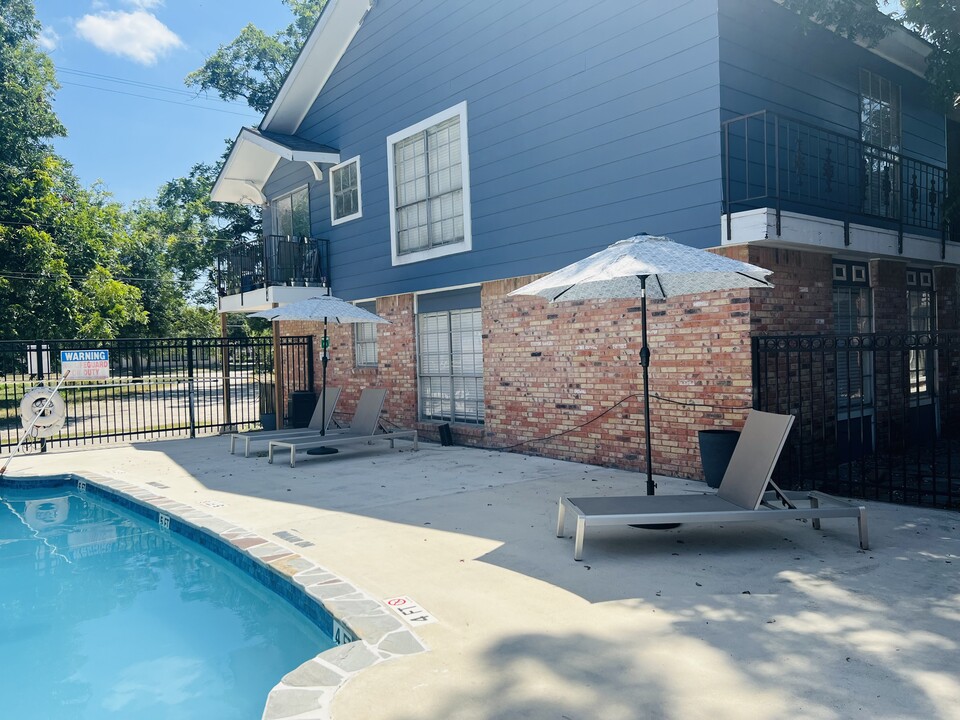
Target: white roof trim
<point>904,49</point>
<point>251,162</point>
<point>333,33</point>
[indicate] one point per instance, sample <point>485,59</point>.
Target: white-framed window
<point>853,316</point>
<point>428,173</point>
<point>291,213</point>
<point>345,202</point>
<point>365,339</point>
<point>922,321</point>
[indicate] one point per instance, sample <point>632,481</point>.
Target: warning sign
<point>86,364</point>
<point>410,611</point>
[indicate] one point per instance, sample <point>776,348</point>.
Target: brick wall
<point>553,367</point>
<point>395,371</point>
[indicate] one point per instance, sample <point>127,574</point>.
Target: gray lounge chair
<point>746,493</point>
<point>363,429</point>
<point>312,428</point>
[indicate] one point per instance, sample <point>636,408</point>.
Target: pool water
<point>103,615</point>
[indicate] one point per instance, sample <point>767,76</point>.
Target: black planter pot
<point>716,449</point>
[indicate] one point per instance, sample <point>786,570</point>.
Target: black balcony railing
<point>773,161</point>
<point>273,260</point>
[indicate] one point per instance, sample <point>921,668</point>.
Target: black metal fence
<point>156,387</point>
<point>877,416</point>
<point>771,160</point>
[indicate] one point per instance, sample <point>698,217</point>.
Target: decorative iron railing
<point>773,161</point>
<point>273,260</point>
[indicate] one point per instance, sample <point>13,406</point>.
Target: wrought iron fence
<point>877,416</point>
<point>157,387</point>
<point>271,261</point>
<point>790,164</point>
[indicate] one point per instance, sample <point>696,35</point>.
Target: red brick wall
<point>396,368</point>
<point>552,367</point>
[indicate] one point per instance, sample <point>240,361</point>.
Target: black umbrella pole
<point>323,381</point>
<point>645,363</point>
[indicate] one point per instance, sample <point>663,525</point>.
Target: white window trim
<point>273,210</point>
<point>396,259</point>
<point>333,209</point>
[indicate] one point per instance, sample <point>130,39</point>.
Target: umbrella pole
<point>323,380</point>
<point>645,363</point>
<point>324,342</point>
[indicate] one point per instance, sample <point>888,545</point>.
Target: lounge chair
<point>363,429</point>
<point>312,428</point>
<point>746,493</point>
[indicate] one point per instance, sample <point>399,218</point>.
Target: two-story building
<point>426,158</point>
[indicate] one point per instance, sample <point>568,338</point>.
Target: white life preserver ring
<point>44,409</point>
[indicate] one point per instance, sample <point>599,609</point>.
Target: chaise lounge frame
<point>746,494</point>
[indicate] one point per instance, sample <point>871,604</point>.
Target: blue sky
<point>121,64</point>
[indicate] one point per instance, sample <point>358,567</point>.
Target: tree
<point>938,23</point>
<point>254,64</point>
<point>935,21</point>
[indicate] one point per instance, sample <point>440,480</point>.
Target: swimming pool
<point>106,615</point>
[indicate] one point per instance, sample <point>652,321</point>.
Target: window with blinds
<point>450,365</point>
<point>429,191</point>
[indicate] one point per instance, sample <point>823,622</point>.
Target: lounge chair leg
<point>815,503</point>
<point>561,514</point>
<point>415,445</point>
<point>233,443</point>
<point>578,540</point>
<point>270,453</point>
<point>862,529</point>
<point>246,447</point>
<point>293,456</point>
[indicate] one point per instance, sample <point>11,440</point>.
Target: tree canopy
<point>254,64</point>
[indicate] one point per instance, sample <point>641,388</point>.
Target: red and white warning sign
<point>409,610</point>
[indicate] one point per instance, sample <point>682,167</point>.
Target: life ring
<point>44,409</point>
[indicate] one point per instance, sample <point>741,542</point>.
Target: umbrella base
<point>658,526</point>
<point>322,451</point>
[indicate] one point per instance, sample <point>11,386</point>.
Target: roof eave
<point>328,41</point>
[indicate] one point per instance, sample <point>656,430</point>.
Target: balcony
<point>253,275</point>
<point>787,165</point>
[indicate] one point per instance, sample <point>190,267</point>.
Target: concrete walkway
<point>748,621</point>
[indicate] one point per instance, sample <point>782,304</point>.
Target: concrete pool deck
<point>760,620</point>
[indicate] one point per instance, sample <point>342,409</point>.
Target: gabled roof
<point>254,156</point>
<point>256,151</point>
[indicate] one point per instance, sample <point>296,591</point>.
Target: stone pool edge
<point>368,632</point>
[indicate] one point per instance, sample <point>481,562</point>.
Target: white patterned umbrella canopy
<point>646,266</point>
<point>325,308</point>
<point>670,269</point>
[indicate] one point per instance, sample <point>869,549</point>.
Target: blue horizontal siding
<point>588,122</point>
<point>767,64</point>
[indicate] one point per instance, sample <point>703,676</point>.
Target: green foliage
<point>254,64</point>
<point>939,24</point>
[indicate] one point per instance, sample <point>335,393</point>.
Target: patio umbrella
<point>326,309</point>
<point>646,266</point>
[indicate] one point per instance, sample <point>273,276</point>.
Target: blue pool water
<point>103,615</point>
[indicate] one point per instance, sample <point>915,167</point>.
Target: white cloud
<point>144,4</point>
<point>136,35</point>
<point>48,39</point>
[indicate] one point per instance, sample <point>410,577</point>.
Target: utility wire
<point>148,86</point>
<point>157,99</point>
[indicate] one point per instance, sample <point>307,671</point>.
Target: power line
<point>157,99</point>
<point>146,86</point>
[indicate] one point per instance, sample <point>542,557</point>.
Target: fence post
<point>191,389</point>
<point>225,357</point>
<point>39,347</point>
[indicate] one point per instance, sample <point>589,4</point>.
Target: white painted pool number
<point>164,521</point>
<point>410,611</point>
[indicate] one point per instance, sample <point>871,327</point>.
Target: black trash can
<point>716,449</point>
<point>300,407</point>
